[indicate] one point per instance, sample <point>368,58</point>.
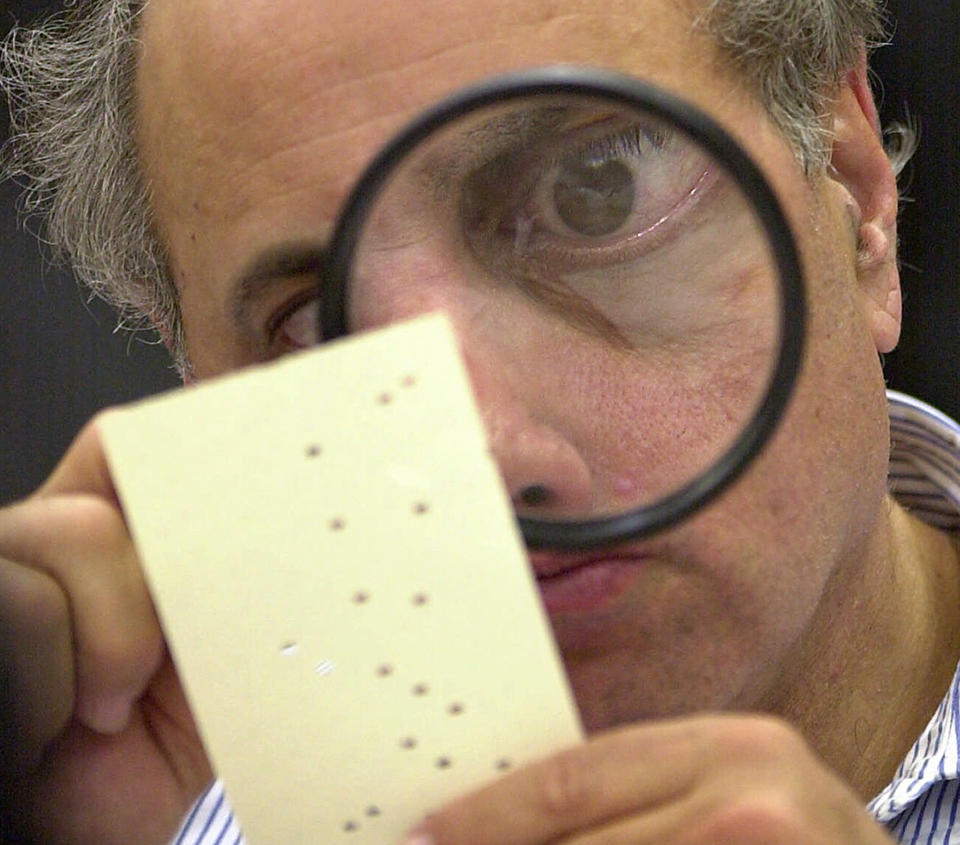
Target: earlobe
<point>861,166</point>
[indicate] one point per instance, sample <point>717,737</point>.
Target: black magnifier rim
<point>572,80</point>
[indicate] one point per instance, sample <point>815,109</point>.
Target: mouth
<point>585,583</point>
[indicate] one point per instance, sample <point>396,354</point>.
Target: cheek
<point>651,418</point>
<point>808,511</point>
<point>745,579</point>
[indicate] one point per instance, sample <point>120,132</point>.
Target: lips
<point>578,583</point>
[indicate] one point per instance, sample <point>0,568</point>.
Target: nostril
<point>535,495</point>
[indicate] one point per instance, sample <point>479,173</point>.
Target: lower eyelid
<point>572,257</point>
<point>302,316</point>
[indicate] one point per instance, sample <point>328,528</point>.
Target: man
<point>805,594</point>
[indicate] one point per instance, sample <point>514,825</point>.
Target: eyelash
<point>524,174</point>
<point>634,141</point>
<point>274,325</point>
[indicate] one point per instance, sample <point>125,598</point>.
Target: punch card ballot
<point>342,585</point>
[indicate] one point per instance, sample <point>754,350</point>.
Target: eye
<point>605,187</point>
<point>297,326</point>
<point>591,198</point>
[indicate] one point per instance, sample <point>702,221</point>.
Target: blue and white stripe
<point>922,804</point>
<point>924,470</point>
<point>211,821</point>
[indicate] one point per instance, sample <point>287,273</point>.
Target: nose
<point>543,470</point>
<point>516,387</point>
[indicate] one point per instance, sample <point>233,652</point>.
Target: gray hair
<point>794,52</point>
<point>70,87</point>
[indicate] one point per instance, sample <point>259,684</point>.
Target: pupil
<point>594,196</point>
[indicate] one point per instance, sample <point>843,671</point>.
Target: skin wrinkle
<point>248,175</point>
<point>107,38</point>
<point>342,92</point>
<point>803,590</point>
<point>271,67</point>
<point>725,614</point>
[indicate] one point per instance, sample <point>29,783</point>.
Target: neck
<point>886,646</point>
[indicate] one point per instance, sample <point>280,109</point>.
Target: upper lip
<point>547,564</point>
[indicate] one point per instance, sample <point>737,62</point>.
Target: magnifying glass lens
<point>614,288</point>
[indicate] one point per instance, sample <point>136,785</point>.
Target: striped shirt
<point>211,821</point>
<point>922,803</point>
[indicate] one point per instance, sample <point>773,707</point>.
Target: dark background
<point>60,359</point>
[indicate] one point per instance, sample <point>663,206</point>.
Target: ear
<point>861,167</point>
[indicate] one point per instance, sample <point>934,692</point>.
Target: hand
<point>736,780</point>
<point>96,737</point>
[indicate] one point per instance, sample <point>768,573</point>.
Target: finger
<point>679,823</point>
<point>629,772</point>
<point>761,815</point>
<point>36,653</point>
<point>84,468</point>
<point>633,771</point>
<point>81,542</point>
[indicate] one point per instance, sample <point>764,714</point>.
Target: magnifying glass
<point>623,262</point>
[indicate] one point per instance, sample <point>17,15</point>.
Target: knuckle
<point>52,532</point>
<point>767,817</point>
<point>95,520</point>
<point>110,653</point>
<point>759,738</point>
<point>562,786</point>
<point>36,664</point>
<point>34,607</point>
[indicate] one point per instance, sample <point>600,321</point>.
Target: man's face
<point>257,118</point>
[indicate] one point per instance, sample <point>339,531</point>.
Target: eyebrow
<point>300,258</point>
<point>278,262</point>
<point>487,139</point>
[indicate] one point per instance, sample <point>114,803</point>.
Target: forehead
<point>343,42</point>
<point>237,88</point>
